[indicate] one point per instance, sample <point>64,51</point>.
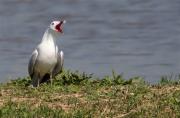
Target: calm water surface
<point>133,37</point>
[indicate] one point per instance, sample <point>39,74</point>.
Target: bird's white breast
<point>47,57</point>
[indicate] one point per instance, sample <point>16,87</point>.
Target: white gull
<point>46,61</point>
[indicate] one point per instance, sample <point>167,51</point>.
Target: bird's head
<point>57,26</point>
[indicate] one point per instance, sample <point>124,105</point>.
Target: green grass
<point>79,95</point>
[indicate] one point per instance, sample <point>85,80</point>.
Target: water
<point>133,37</point>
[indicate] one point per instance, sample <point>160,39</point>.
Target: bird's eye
<point>52,23</point>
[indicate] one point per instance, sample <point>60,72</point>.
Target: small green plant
<point>170,79</point>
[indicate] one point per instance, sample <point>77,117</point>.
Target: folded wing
<point>32,63</point>
<point>59,65</point>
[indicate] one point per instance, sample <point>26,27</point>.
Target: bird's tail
<point>46,78</point>
<point>36,80</point>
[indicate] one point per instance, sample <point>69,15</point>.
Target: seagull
<point>46,61</point>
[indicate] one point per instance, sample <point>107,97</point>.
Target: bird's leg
<point>51,79</point>
<point>38,83</point>
<point>38,80</point>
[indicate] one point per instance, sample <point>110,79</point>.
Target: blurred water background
<point>133,37</point>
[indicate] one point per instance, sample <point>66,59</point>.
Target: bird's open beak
<point>59,26</point>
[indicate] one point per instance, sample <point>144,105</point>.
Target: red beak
<point>59,28</point>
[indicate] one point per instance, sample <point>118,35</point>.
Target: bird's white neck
<point>50,36</point>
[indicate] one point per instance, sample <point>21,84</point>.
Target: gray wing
<point>32,62</point>
<point>59,65</point>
